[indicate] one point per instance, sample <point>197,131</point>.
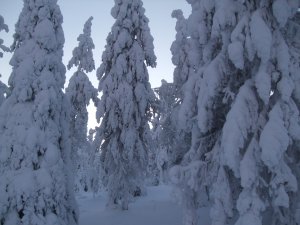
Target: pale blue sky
<point>76,12</point>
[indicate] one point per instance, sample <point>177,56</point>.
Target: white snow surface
<point>158,207</point>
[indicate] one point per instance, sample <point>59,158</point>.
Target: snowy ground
<point>157,208</point>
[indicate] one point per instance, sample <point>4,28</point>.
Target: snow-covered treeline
<point>225,133</point>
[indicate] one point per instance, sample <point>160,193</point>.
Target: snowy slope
<point>157,208</point>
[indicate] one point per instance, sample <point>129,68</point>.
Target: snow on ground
<point>157,208</point>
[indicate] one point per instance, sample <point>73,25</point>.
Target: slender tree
<point>36,180</point>
<point>126,102</point>
<point>185,59</point>
<point>79,92</point>
<point>165,134</point>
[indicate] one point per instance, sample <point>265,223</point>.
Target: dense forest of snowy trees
<point>225,133</point>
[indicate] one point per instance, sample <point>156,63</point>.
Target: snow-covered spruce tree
<point>126,103</point>
<point>165,133</point>
<point>249,66</point>
<point>207,95</point>
<point>36,180</point>
<point>3,87</point>
<point>175,128</point>
<point>260,141</point>
<point>94,169</point>
<point>185,59</point>
<point>79,92</point>
<point>153,173</point>
<point>180,52</point>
